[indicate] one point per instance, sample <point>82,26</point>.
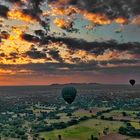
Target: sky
<point>45,42</point>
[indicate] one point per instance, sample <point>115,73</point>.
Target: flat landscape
<point>99,112</point>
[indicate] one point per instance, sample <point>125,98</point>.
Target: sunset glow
<point>59,38</point>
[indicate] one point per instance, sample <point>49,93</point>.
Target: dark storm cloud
<point>52,68</point>
<point>121,70</point>
<point>118,62</point>
<point>2,55</point>
<point>34,54</point>
<point>30,38</point>
<point>97,48</point>
<point>14,54</point>
<point>13,1</point>
<point>33,3</point>
<point>60,68</point>
<point>3,11</point>
<point>4,35</point>
<point>112,8</point>
<point>55,55</point>
<point>31,8</point>
<point>34,9</point>
<point>36,3</point>
<point>32,13</point>
<point>39,32</point>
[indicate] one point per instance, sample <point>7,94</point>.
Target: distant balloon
<point>69,94</point>
<point>132,82</point>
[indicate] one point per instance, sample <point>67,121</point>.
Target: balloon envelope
<point>132,82</point>
<point>69,94</point>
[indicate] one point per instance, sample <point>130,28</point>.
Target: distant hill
<point>75,84</point>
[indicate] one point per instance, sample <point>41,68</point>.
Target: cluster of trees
<point>42,126</point>
<point>138,115</point>
<point>100,113</point>
<point>129,130</point>
<point>106,118</point>
<point>60,138</point>
<point>12,127</point>
<point>15,133</point>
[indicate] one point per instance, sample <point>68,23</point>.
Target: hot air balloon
<point>69,94</point>
<point>132,82</point>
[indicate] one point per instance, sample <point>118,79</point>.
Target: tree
<point>102,117</point>
<point>105,131</point>
<point>90,111</point>
<point>124,114</point>
<point>59,137</point>
<point>69,114</point>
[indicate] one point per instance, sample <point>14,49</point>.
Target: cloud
<point>30,38</point>
<point>79,50</point>
<point>126,70</point>
<point>2,55</point>
<point>13,54</point>
<point>55,55</point>
<point>136,20</point>
<point>3,11</point>
<point>64,24</point>
<point>13,1</point>
<point>66,69</point>
<point>36,54</point>
<point>112,8</point>
<point>125,61</point>
<point>71,54</point>
<point>97,48</point>
<point>4,35</point>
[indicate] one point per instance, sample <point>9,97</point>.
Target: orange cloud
<point>19,15</point>
<point>71,11</point>
<point>121,20</point>
<point>63,23</point>
<point>136,20</point>
<point>97,18</point>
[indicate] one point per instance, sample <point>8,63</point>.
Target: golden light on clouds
<point>15,72</point>
<point>136,20</point>
<point>97,18</point>
<point>18,15</point>
<point>71,11</point>
<point>5,72</point>
<point>63,23</point>
<point>20,44</point>
<point>121,20</point>
<point>17,45</point>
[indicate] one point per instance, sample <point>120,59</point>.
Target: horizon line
<point>65,84</point>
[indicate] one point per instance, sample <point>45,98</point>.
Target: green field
<point>136,125</point>
<point>83,130</point>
